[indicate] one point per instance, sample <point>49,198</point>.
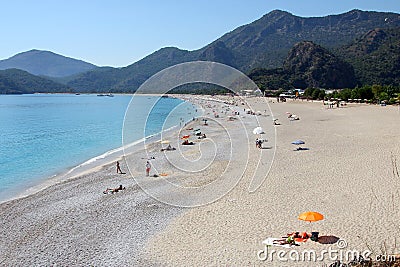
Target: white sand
<point>347,175</point>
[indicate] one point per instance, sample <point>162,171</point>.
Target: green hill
<point>307,65</point>
<point>375,57</point>
<point>14,81</point>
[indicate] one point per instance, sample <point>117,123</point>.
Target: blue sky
<point>119,32</point>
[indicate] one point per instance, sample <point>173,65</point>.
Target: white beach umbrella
<point>258,130</point>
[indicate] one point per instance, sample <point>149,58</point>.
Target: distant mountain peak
<point>31,51</point>
<point>275,15</point>
<point>34,52</point>
<point>46,63</point>
<point>279,12</point>
<point>171,48</point>
<point>356,11</point>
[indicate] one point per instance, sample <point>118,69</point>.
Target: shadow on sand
<point>301,149</point>
<point>328,239</point>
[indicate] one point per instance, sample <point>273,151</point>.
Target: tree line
<point>371,93</point>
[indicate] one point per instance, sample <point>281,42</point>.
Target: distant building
<point>300,91</point>
<point>330,91</point>
<point>286,95</point>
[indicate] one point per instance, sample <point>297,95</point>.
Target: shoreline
<point>77,222</point>
<point>90,165</point>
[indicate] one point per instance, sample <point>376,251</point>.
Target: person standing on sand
<point>118,168</point>
<point>148,167</point>
<point>257,143</point>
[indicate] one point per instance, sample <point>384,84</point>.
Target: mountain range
<point>355,39</point>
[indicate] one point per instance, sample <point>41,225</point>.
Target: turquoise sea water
<point>43,135</point>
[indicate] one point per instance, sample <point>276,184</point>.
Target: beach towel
<point>271,241</point>
<point>299,239</point>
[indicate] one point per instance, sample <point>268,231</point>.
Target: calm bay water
<point>43,135</point>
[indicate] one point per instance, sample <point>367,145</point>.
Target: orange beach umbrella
<point>311,216</point>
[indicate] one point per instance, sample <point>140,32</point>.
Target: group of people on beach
<point>148,165</point>
<point>117,189</point>
<point>119,171</point>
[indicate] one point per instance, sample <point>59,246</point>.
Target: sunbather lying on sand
<point>149,158</point>
<point>113,190</point>
<point>288,241</point>
<point>202,136</point>
<point>186,142</point>
<point>299,235</point>
<point>168,148</point>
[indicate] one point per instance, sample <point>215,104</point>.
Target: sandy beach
<point>349,174</point>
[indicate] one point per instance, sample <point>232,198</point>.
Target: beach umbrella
<point>298,142</point>
<point>258,130</point>
<point>311,216</point>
